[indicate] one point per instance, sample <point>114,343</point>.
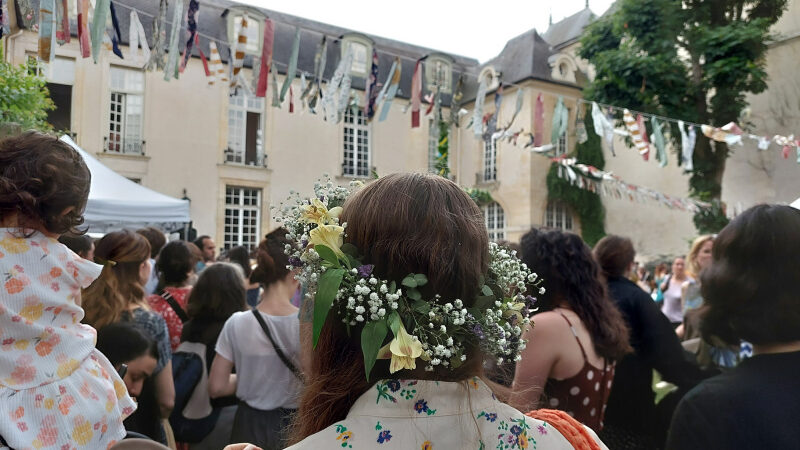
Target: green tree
<point>692,59</point>
<point>24,98</point>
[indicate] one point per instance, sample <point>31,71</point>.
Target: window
<point>255,26</point>
<point>245,130</point>
<point>561,145</point>
<point>126,111</point>
<point>495,220</point>
<point>60,76</point>
<point>362,54</point>
<point>242,216</point>
<point>491,76</point>
<point>439,72</point>
<point>356,144</point>
<point>433,147</point>
<point>558,216</point>
<point>489,159</point>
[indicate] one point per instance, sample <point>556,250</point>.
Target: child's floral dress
<point>56,390</point>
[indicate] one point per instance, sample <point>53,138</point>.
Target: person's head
<point>125,343</point>
<point>699,256</point>
<point>207,247</point>
<point>175,263</point>
<point>272,262</point>
<point>401,224</point>
<point>241,256</point>
<point>661,269</point>
<point>125,257</point>
<point>218,294</point>
<point>750,289</point>
<point>615,255</point>
<point>572,279</point>
<point>81,244</point>
<point>679,267</point>
<point>156,239</point>
<point>44,183</point>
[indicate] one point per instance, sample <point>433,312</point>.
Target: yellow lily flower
<point>330,236</point>
<point>319,214</point>
<point>403,349</point>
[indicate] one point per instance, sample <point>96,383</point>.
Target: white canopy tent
<point>116,202</point>
<point>796,204</point>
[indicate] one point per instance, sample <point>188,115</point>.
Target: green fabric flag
<point>560,120</point>
<point>659,142</point>
<point>171,71</point>
<point>101,10</point>
<point>291,71</point>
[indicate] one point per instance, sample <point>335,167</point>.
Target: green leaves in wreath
<point>327,288</point>
<point>412,282</point>
<point>372,337</point>
<point>327,255</point>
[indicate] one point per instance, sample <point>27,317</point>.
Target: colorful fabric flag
<point>28,14</point>
<point>239,51</point>
<point>477,114</point>
<point>5,28</point>
<point>371,91</point>
<point>217,70</point>
<point>191,29</point>
<point>303,86</point>
<point>687,146</point>
<point>344,95</point>
<point>786,143</point>
<point>174,38</point>
<point>391,86</point>
<point>643,132</point>
<point>159,38</point>
<point>517,107</point>
<point>636,132</point>
<point>117,37</point>
<point>276,95</point>
<point>202,55</point>
<point>136,36</point>
<point>331,93</point>
<point>83,28</point>
<point>580,125</point>
<point>730,133</point>
<point>101,10</point>
<point>560,121</point>
<point>603,126</point>
<point>659,142</point>
<point>416,93</point>
<point>47,32</point>
<point>455,101</point>
<point>291,69</point>
<point>266,58</point>
<point>62,22</point>
<point>538,122</point>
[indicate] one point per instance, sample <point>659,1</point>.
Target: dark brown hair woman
<point>579,333</point>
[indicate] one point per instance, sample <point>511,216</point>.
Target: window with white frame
<point>242,217</point>
<point>356,144</point>
<point>433,146</point>
<point>245,130</point>
<point>255,24</point>
<point>126,111</point>
<point>562,144</point>
<point>362,54</point>
<point>495,219</point>
<point>489,159</point>
<point>558,215</point>
<point>439,72</point>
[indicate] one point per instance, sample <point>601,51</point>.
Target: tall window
<point>126,111</point>
<point>242,216</point>
<point>495,220</point>
<point>433,146</point>
<point>356,144</point>
<point>558,216</point>
<point>245,130</point>
<point>489,159</point>
<point>561,145</point>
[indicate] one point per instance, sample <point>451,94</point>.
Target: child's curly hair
<point>41,177</point>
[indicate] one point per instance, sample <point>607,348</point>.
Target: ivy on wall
<point>442,165</point>
<point>584,203</point>
<point>479,196</point>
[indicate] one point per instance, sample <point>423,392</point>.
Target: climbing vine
<point>442,165</point>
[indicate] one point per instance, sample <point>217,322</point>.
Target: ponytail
<point>271,258</point>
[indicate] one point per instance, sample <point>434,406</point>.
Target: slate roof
<point>568,30</point>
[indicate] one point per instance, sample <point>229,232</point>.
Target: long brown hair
<point>572,276</point>
<point>271,258</point>
<point>121,253</point>
<point>402,223</point>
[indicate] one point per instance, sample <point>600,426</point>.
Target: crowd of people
<point>133,338</point>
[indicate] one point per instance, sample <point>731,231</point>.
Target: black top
<point>631,402</point>
<point>755,405</point>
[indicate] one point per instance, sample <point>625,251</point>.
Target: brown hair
<point>156,239</point>
<point>750,290</point>
<point>174,264</point>
<point>614,254</point>
<point>40,177</point>
<point>271,258</point>
<point>572,276</point>
<point>691,259</point>
<point>121,253</point>
<point>402,223</point>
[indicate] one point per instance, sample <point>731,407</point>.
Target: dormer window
<point>255,28</point>
<point>439,72</point>
<point>491,77</point>
<point>563,67</point>
<point>362,54</point>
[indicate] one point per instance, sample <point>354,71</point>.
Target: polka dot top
<point>583,396</point>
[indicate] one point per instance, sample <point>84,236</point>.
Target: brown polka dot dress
<point>583,396</point>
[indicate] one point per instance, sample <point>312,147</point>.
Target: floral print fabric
<point>174,323</point>
<point>430,415</point>
<point>56,389</point>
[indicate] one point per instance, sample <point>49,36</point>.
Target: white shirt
<point>262,380</point>
<point>415,414</point>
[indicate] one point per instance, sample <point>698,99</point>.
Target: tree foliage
<point>692,59</point>
<point>24,98</point>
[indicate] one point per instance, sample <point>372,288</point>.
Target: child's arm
<point>221,382</point>
<point>165,390</point>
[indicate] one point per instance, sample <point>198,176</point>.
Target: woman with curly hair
<point>579,333</point>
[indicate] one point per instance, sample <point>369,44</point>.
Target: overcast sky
<point>478,30</point>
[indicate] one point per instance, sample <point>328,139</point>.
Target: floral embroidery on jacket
<point>490,417</point>
<point>421,406</point>
<point>514,436</point>
<point>344,435</point>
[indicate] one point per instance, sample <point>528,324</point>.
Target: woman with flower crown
<point>408,301</point>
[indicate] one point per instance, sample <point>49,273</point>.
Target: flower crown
<point>436,333</point>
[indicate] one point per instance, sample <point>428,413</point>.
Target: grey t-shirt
<point>263,380</point>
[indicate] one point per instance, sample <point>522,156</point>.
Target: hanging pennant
<point>101,10</point>
<point>159,38</point>
<point>659,142</point>
<point>391,86</point>
<point>303,86</point>
<point>192,14</point>
<point>643,132</point>
<point>136,36</point>
<point>47,32</point>
<point>291,100</point>
<point>83,28</point>
<point>637,133</point>
<point>687,146</point>
<point>62,22</point>
<point>730,133</point>
<point>5,28</point>
<point>238,53</point>
<point>217,70</point>
<point>331,96</point>
<point>266,58</point>
<point>538,121</point>
<point>276,96</point>
<point>560,121</point>
<point>28,15</point>
<point>416,93</point>
<point>291,70</point>
<point>477,114</point>
<point>171,68</point>
<point>763,142</point>
<point>455,101</point>
<point>580,126</point>
<point>371,91</point>
<point>202,55</point>
<point>517,107</point>
<point>117,37</point>
<point>345,95</point>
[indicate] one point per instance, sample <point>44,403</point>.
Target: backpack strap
<point>175,306</point>
<point>278,350</point>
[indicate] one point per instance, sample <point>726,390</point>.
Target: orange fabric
<point>570,428</point>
